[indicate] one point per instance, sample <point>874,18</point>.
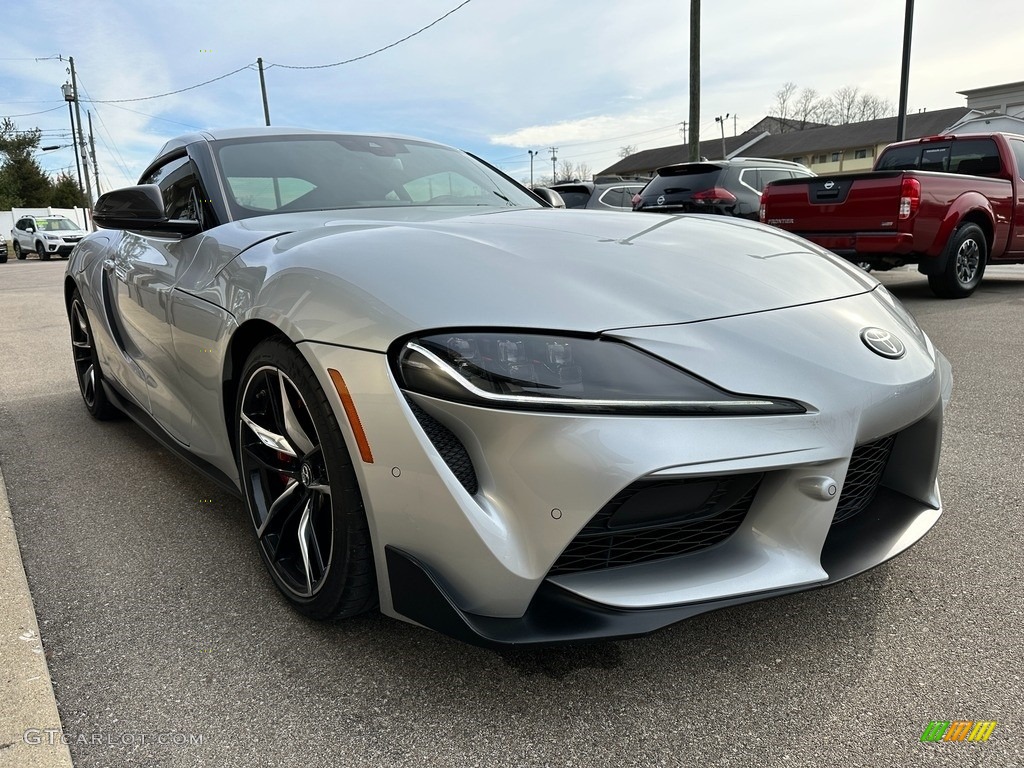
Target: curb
<point>30,730</point>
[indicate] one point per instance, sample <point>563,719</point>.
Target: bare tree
<point>808,107</point>
<point>871,107</point>
<point>845,105</point>
<point>626,151</point>
<point>566,170</point>
<point>583,171</point>
<point>784,102</point>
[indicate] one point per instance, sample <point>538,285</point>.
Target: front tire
<point>301,488</point>
<point>965,257</point>
<point>87,363</point>
<point>43,253</point>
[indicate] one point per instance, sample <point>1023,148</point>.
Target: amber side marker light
<point>353,416</point>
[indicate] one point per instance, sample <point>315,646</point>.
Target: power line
<point>379,50</point>
<point>172,93</point>
<point>155,117</point>
<point>115,150</point>
<point>28,114</point>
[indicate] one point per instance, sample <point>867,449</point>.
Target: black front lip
<point>556,615</point>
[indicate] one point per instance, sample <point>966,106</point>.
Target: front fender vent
<point>452,451</point>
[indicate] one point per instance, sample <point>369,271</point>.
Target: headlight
<point>541,372</point>
<point>47,236</point>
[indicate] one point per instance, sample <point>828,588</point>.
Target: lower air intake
<point>863,478</point>
<point>653,520</point>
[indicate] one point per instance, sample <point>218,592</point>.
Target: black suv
<point>729,187</point>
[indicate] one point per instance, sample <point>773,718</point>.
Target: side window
<point>749,178</point>
<point>614,197</point>
<point>769,175</point>
<point>179,185</point>
<point>1018,152</point>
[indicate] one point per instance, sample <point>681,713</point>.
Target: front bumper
<point>476,561</point>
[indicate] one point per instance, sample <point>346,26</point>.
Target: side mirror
<point>549,196</point>
<point>139,208</point>
<point>30,230</point>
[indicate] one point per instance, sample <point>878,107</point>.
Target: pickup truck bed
<point>950,223</point>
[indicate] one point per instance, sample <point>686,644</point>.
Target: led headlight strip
<point>728,404</point>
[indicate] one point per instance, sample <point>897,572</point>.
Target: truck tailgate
<point>854,202</point>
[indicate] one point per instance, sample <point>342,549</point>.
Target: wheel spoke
<point>305,542</point>
<point>289,499</point>
<point>292,428</point>
<point>268,438</point>
<point>253,452</point>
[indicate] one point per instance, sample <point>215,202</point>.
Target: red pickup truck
<point>950,204</point>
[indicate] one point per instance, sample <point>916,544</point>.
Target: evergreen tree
<point>66,193</point>
<point>23,183</point>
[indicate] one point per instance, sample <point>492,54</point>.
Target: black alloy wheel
<point>87,364</point>
<point>965,257</point>
<point>300,487</point>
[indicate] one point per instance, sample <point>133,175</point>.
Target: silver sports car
<point>505,422</point>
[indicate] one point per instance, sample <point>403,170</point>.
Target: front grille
<point>449,446</point>
<point>863,478</point>
<point>654,520</point>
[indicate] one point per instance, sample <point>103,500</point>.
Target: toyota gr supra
<point>508,423</point>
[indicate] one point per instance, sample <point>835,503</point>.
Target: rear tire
<point>87,363</point>
<point>18,253</point>
<point>965,257</point>
<point>302,494</point>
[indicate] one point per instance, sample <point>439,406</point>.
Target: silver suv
<point>46,235</point>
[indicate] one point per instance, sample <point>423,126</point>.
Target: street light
<point>69,96</point>
<point>721,122</point>
<point>533,154</point>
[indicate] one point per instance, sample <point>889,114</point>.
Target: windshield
<point>323,172</point>
<point>682,180</point>
<point>56,225</point>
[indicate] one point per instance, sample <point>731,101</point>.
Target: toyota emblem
<point>883,343</point>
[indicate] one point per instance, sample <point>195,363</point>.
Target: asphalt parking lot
<point>158,619</point>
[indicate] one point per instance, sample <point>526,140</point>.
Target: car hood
<point>367,281</point>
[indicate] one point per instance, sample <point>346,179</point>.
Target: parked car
<point>949,204</point>
<point>729,187</point>
<point>400,359</point>
<point>3,251</point>
<point>614,196</point>
<point>46,235</point>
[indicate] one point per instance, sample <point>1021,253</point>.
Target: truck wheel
<point>43,253</point>
<point>18,253</point>
<point>965,257</point>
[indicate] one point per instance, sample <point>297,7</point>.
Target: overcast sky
<point>496,77</point>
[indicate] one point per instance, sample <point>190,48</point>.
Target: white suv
<point>46,235</point>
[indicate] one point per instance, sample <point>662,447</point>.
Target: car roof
<point>223,134</point>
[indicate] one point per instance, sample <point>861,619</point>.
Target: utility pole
<point>92,148</point>
<point>554,174</point>
<point>908,30</point>
<point>682,130</point>
<point>694,80</point>
<point>81,136</point>
<point>734,129</point>
<point>533,154</point>
<point>721,121</point>
<point>69,97</point>
<point>263,90</point>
